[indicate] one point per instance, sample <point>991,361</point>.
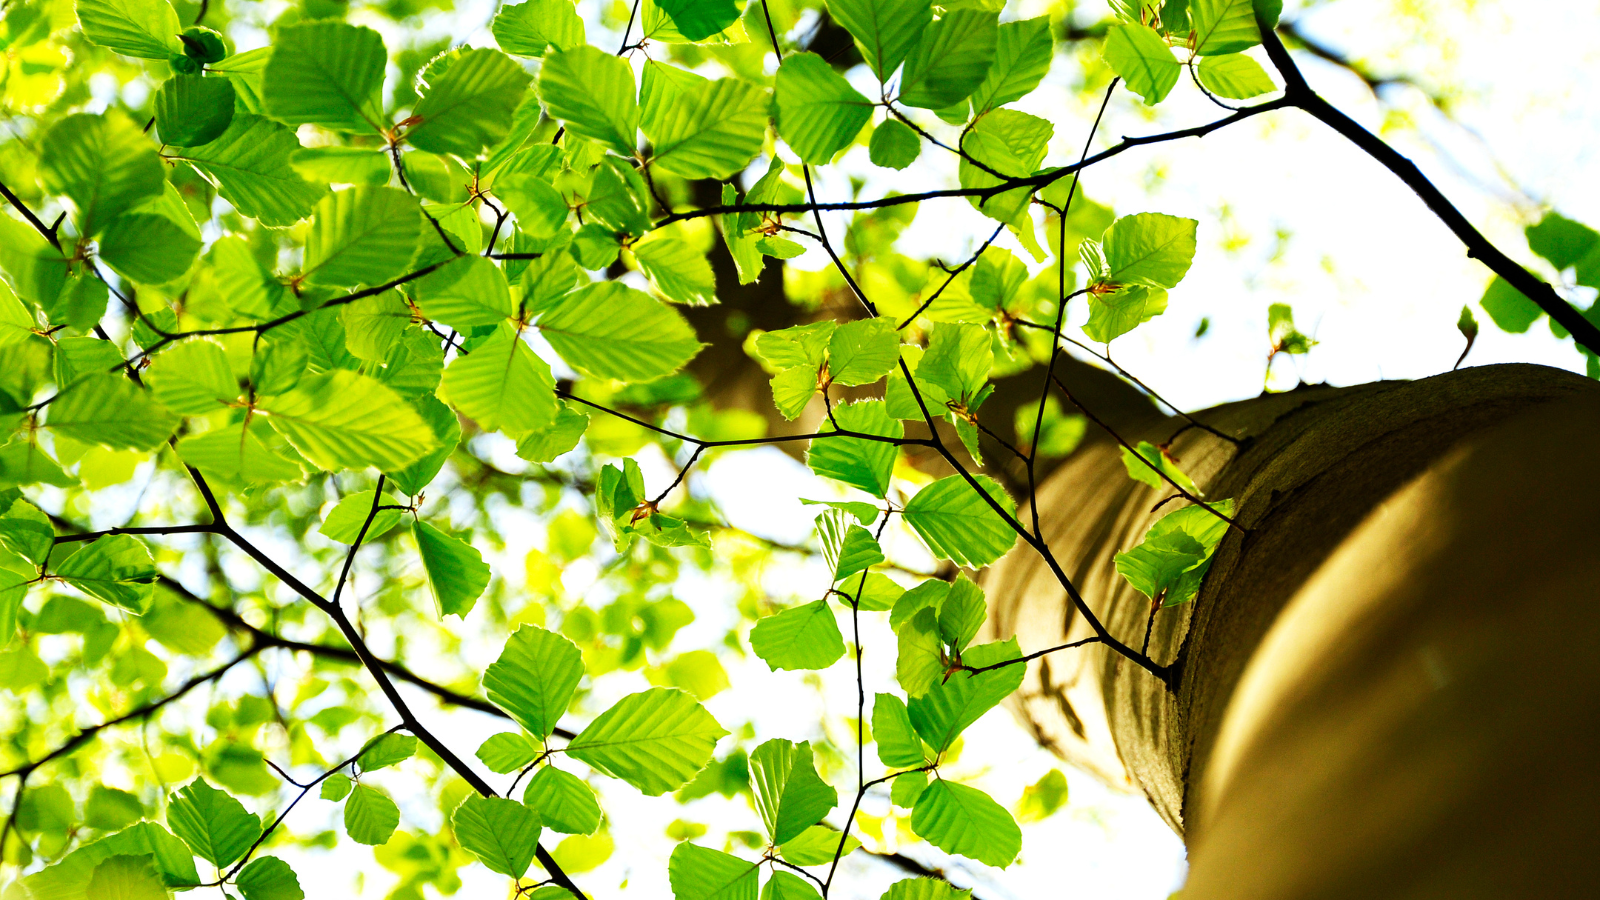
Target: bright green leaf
<point>1143,59</point>
<point>789,795</point>
<point>819,113</point>
<point>593,93</point>
<point>191,110</point>
<point>341,420</point>
<point>534,678</point>
<point>950,60</point>
<point>502,385</point>
<point>858,462</point>
<point>370,817</point>
<point>965,821</point>
<point>655,740</point>
<point>564,802</point>
<point>501,833</point>
<point>327,73</point>
<point>699,873</point>
<point>613,331</point>
<point>456,571</point>
<point>147,29</point>
<point>899,747</point>
<point>269,878</point>
<point>949,706</point>
<point>885,30</point>
<point>802,637</point>
<point>1235,76</point>
<point>361,235</point>
<point>469,107</point>
<point>216,826</point>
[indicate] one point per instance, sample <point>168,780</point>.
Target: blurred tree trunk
<point>1390,686</point>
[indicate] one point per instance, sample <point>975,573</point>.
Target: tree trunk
<point>1388,687</point>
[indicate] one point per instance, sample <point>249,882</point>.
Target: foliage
<point>341,339</point>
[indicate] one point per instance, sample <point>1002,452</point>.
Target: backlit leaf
<point>700,873</point>
<point>802,637</point>
<point>950,60</point>
<point>819,113</point>
<point>958,524</point>
<point>326,73</point>
<point>965,821</point>
<point>216,826</point>
<point>564,802</point>
<point>655,740</point>
<point>501,833</point>
<point>534,679</point>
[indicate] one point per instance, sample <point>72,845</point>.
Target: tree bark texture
<point>1389,686</point>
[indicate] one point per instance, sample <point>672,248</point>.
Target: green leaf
<point>802,637</point>
<point>951,59</point>
<point>501,833</point>
<point>252,165</point>
<point>925,889</point>
<point>712,130</point>
<point>1009,142</point>
<point>534,679</point>
<point>792,390</point>
<point>697,20</point>
<point>789,795</point>
<point>958,524</point>
<point>1151,249</point>
<point>680,272</point>
<point>865,513</point>
<point>447,431</point>
<point>126,878</point>
<point>216,826</point>
<point>962,612</point>
<point>894,145</point>
<point>654,740</point>
<point>561,437</point>
<point>193,377</point>
<point>27,531</point>
<point>1235,76</point>
<point>116,568</point>
<point>192,110</point>
<point>502,385</point>
<point>1041,799</point>
<point>540,209</point>
<point>965,821</point>
<point>877,594</point>
<point>593,93</point>
<point>342,420</point>
<point>920,662</point>
<point>104,164</point>
<point>958,360</point>
<point>899,747</point>
<point>610,330</point>
<point>1022,57</point>
<point>147,29</point>
<point>564,802</point>
<point>386,750</point>
<point>326,73</point>
<point>1223,26</point>
<point>819,113</point>
<point>362,235</point>
<point>948,707</point>
<point>1510,309</point>
<point>1562,241</point>
<point>1158,464</point>
<point>108,410</point>
<point>907,787</point>
<point>783,885</point>
<point>268,878</point>
<point>885,30</point>
<point>1156,563</point>
<point>863,351</point>
<point>148,247</point>
<point>816,846</point>
<point>699,873</point>
<point>16,321</point>
<point>370,817</point>
<point>236,454</point>
<point>528,29</point>
<point>799,345</point>
<point>457,573</point>
<point>848,549</point>
<point>336,787</point>
<point>1059,434</point>
<point>506,752</point>
<point>1124,309</point>
<point>1143,59</point>
<point>469,107</point>
<point>858,462</point>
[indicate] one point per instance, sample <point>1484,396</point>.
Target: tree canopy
<point>349,371</point>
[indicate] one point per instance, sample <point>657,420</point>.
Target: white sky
<point>1369,272</point>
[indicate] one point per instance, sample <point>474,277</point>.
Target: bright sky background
<point>1374,277</point>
